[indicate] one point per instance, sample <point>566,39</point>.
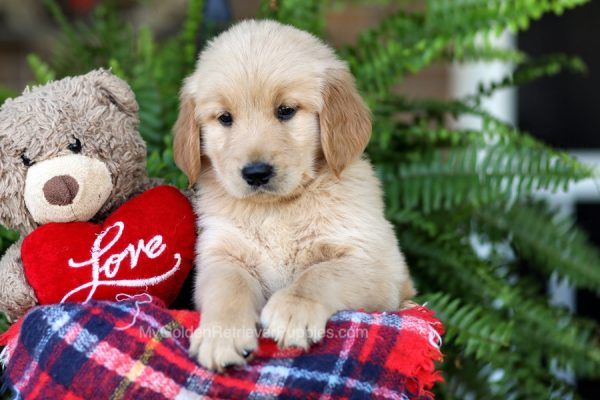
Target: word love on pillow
<point>145,246</point>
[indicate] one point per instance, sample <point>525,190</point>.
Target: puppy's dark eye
<point>75,147</point>
<point>225,119</point>
<point>285,113</point>
<point>27,161</point>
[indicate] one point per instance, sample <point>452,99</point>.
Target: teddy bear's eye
<point>27,161</point>
<point>75,147</point>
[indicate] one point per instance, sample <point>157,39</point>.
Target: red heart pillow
<point>145,246</point>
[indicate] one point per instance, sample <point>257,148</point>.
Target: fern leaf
<point>151,123</point>
<point>6,93</point>
<point>479,331</point>
<point>42,71</point>
<point>572,343</point>
<point>408,42</point>
<point>65,26</point>
<point>115,67</point>
<point>530,71</point>
<point>472,52</point>
<point>191,28</point>
<point>4,324</point>
<point>552,243</point>
<point>7,237</point>
<point>481,175</point>
<point>308,15</point>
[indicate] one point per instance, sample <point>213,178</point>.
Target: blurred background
<point>28,27</point>
<point>562,110</point>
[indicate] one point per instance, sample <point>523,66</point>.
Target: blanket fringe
<point>8,340</point>
<point>425,331</point>
<point>4,356</point>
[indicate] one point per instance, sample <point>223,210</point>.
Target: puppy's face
<point>265,102</point>
<point>262,139</point>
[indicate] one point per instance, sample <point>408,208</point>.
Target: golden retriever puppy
<point>291,221</point>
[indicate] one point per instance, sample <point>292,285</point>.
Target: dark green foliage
<point>7,237</point>
<point>307,15</point>
<point>529,70</point>
<point>154,69</point>
<point>3,323</point>
<point>445,187</point>
<point>6,94</point>
<point>548,241</point>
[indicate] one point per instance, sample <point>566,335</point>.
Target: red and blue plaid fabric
<point>139,350</point>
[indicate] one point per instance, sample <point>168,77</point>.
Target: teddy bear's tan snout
<point>68,188</point>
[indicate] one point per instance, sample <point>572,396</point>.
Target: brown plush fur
<point>314,240</point>
<point>98,109</point>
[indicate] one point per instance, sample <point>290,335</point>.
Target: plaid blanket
<point>138,350</point>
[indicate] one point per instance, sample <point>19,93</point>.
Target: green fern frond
<point>552,243</point>
<point>466,378</point>
<point>572,344</point>
<point>530,71</point>
<point>393,49</point>
<point>437,113</point>
<point>42,71</point>
<point>7,237</point>
<point>492,15</point>
<point>408,42</point>
<point>443,178</point>
<point>479,331</point>
<point>115,67</point>
<point>150,114</point>
<point>484,334</point>
<point>191,28</point>
<point>6,93</point>
<point>4,324</point>
<point>308,15</point>
<point>484,53</point>
<point>146,49</point>
<point>66,28</point>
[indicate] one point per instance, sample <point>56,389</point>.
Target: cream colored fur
<point>315,240</point>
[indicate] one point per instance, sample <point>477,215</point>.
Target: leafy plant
<point>445,187</point>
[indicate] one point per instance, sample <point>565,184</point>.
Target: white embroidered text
<point>103,274</point>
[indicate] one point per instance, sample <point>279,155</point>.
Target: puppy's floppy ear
<point>186,145</point>
<point>345,120</point>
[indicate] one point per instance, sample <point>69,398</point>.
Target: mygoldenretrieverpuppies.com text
<point>222,332</point>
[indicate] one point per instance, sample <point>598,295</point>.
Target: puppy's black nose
<point>258,173</point>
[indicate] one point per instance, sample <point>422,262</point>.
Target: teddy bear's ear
<point>114,90</point>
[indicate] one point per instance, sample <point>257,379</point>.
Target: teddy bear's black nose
<point>61,190</point>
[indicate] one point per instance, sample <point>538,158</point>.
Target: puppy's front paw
<point>220,344</point>
<point>294,321</point>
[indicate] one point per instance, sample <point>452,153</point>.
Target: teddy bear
<point>69,151</point>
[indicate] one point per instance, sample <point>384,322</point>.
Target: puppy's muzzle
<point>258,173</point>
<point>66,189</point>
